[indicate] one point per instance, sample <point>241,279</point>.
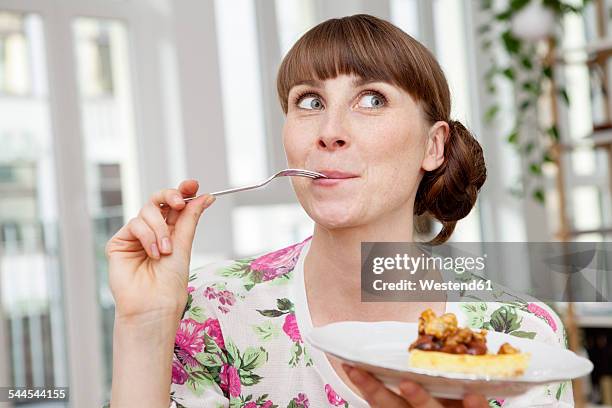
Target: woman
<point>369,106</point>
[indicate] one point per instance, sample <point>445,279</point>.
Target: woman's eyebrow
<point>310,82</point>
<point>357,82</point>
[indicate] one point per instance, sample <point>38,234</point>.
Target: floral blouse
<point>240,342</point>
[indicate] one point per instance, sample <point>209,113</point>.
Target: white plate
<point>382,349</point>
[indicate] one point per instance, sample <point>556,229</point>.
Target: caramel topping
<point>506,348</point>
<point>442,334</point>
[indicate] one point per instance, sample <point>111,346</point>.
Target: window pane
<point>110,153</point>
<point>262,228</point>
<point>451,52</point>
<point>30,285</point>
<point>405,15</point>
<point>587,207</point>
<point>294,18</point>
<point>241,91</point>
<point>15,45</point>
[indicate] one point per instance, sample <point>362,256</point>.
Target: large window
<point>241,91</point>
<point>294,18</point>
<point>30,290</point>
<point>110,151</point>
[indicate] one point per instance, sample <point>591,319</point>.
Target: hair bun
<point>449,192</point>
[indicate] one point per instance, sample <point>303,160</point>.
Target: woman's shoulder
<point>514,313</point>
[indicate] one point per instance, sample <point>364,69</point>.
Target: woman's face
<point>374,133</point>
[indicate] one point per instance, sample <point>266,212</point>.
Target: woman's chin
<point>334,217</point>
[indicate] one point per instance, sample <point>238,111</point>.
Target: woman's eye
<point>371,101</point>
<point>311,102</point>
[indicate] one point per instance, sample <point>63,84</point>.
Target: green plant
<point>528,65</point>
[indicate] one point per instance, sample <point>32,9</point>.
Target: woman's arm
<point>149,261</point>
<point>142,361</point>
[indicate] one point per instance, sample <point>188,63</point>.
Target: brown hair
<point>375,49</point>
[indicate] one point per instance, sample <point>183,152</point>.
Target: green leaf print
<point>203,377</point>
<point>253,358</point>
<point>262,398</point>
<point>188,304</point>
<point>307,358</point>
<point>504,320</point>
<point>271,312</point>
<point>475,312</point>
<point>236,402</point>
<point>210,345</point>
<point>282,279</point>
<point>197,314</point>
<point>252,279</point>
<point>233,354</point>
<point>210,359</point>
<point>267,330</point>
<point>560,390</point>
<point>249,379</point>
<point>523,334</point>
<point>296,353</point>
<point>198,382</point>
<point>238,269</point>
<point>284,304</point>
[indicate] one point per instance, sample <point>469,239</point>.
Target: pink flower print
<point>540,312</point>
<point>332,397</point>
<point>179,375</point>
<point>250,404</point>
<point>500,402</point>
<point>277,263</point>
<point>266,404</point>
<point>210,293</point>
<point>226,298</point>
<point>290,327</point>
<point>190,289</point>
<point>230,381</point>
<point>213,329</point>
<point>189,341</point>
<point>301,400</point>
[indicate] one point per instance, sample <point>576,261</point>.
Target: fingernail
<point>210,200</point>
<point>408,388</point>
<point>166,245</point>
<point>356,376</point>
<point>155,250</point>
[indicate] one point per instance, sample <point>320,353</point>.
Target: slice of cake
<point>442,346</point>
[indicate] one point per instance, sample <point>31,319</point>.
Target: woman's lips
<point>334,177</point>
<point>331,181</point>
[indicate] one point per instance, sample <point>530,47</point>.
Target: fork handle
<point>218,193</point>
<point>221,192</point>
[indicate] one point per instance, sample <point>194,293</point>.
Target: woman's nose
<point>333,134</point>
<point>331,142</point>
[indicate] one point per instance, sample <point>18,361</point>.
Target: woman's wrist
<point>142,360</point>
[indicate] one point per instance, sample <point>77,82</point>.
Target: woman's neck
<point>332,269</point>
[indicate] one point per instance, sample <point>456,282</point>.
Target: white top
<point>240,342</point>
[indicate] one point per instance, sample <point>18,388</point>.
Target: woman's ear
<point>434,146</point>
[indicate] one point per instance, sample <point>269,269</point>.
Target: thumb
<point>187,221</point>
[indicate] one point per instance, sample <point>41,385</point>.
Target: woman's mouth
<point>334,177</point>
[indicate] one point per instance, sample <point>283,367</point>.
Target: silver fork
<point>282,173</point>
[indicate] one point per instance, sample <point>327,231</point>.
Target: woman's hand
<point>148,271</point>
<point>412,395</point>
<point>149,256</point>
